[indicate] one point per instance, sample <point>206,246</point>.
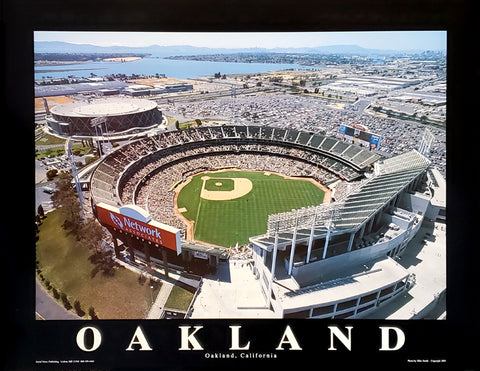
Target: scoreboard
<point>359,134</point>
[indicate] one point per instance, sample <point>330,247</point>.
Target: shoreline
<point>45,63</point>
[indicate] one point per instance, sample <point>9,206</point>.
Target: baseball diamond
<point>224,189</point>
<point>239,208</point>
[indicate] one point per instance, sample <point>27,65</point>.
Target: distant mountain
<point>183,50</point>
<point>342,49</point>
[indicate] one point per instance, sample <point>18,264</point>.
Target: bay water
<point>150,66</point>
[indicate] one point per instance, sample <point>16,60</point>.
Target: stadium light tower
<point>328,215</point>
<point>426,142</point>
<point>78,187</point>
<point>294,242</point>
<point>330,225</point>
<point>97,123</point>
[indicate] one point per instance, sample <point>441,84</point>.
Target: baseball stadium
<point>323,219</point>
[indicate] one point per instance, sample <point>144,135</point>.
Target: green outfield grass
<point>225,223</point>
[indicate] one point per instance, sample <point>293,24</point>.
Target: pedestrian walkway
<point>233,292</point>
<point>426,258</point>
<point>158,273</point>
<point>162,296</point>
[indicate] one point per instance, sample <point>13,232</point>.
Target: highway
<point>217,94</point>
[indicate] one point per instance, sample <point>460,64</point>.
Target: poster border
<point>29,340</point>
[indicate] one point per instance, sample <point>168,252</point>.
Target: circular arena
<point>123,116</point>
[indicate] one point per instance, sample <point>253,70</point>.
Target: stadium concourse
<point>336,260</point>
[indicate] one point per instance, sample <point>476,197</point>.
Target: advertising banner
<point>159,233</point>
<point>375,141</point>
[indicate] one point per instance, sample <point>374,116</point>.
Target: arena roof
<point>115,106</point>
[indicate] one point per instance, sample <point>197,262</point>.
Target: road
<point>222,93</point>
<point>43,198</point>
<point>46,308</point>
<point>361,104</point>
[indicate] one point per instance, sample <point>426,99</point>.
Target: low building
<point>107,92</point>
<point>173,88</point>
<point>137,90</point>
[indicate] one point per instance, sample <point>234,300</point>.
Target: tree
<point>66,302</point>
<point>78,308</point>
<point>52,173</point>
<point>56,295</point>
<point>66,200</point>
<point>38,221</point>
<point>91,235</point>
<point>40,211</point>
<point>92,314</point>
<point>154,283</point>
<point>103,262</point>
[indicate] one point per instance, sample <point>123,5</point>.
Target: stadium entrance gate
<point>152,240</point>
<point>195,258</point>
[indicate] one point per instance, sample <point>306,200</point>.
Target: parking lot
<point>311,114</point>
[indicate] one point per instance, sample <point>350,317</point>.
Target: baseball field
<point>227,207</point>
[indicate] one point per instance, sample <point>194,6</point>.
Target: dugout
<point>200,258</point>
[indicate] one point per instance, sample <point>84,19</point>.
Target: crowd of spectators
<point>157,193</point>
<point>150,184</point>
<point>147,170</point>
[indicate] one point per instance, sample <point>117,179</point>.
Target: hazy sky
<point>399,40</point>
